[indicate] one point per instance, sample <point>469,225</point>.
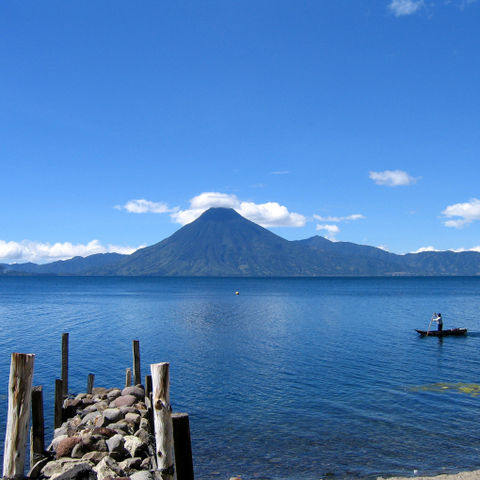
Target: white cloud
<point>466,213</point>
<point>392,178</point>
<point>355,216</point>
<point>473,249</point>
<point>269,214</point>
<point>426,249</point>
<point>144,206</point>
<point>456,250</point>
<point>331,230</point>
<point>401,8</point>
<point>37,252</point>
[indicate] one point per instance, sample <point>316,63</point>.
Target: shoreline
<point>473,475</point>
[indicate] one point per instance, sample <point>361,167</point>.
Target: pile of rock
<point>106,434</point>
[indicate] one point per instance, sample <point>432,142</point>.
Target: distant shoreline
<point>473,475</point>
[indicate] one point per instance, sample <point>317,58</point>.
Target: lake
<point>292,378</point>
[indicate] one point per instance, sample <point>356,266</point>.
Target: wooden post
<point>90,380</point>
<point>136,362</point>
<point>148,385</point>
<point>182,446</point>
<point>58,417</point>
<point>18,417</point>
<point>162,419</point>
<point>65,363</point>
<point>37,432</point>
<point>128,377</point>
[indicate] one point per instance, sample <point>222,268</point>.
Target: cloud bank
<point>461,214</point>
<point>269,214</point>
<point>392,178</point>
<point>332,230</point>
<point>356,216</point>
<point>401,8</point>
<point>144,206</point>
<point>37,252</point>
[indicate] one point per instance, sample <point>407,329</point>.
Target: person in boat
<point>437,317</point>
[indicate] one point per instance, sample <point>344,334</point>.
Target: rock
<point>116,447</point>
<point>138,392</point>
<point>126,410</point>
<point>121,426</point>
<point>108,467</point>
<point>81,396</point>
<point>65,447</point>
<point>131,464</point>
<point>94,457</point>
<point>144,424</point>
<point>143,475</point>
<point>146,464</point>
<point>135,447</point>
<point>143,435</point>
<point>34,471</point>
<point>72,402</point>
<point>140,406</point>
<point>102,422</point>
<point>78,451</point>
<point>112,414</point>
<point>87,401</point>
<point>61,430</point>
<point>104,432</point>
<point>124,401</point>
<point>57,467</point>
<point>101,406</point>
<point>56,441</point>
<point>113,394</point>
<point>70,406</point>
<point>133,418</point>
<point>89,440</point>
<point>90,418</point>
<point>100,445</point>
<point>99,391</point>
<point>80,471</point>
<point>89,409</point>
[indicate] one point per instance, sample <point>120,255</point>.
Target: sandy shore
<point>475,475</point>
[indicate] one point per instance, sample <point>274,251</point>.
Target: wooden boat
<point>443,333</point>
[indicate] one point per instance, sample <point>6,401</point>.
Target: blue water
<point>293,378</point>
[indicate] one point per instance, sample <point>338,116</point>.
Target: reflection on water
<point>293,378</point>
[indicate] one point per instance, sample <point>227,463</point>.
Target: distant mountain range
<point>223,243</point>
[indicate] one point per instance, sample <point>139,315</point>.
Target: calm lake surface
<point>293,378</point>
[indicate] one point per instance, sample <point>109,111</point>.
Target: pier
<point>102,433</point>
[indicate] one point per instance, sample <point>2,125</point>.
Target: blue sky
<point>120,121</point>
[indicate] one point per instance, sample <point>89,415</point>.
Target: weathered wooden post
<point>58,415</point>
<point>136,362</point>
<point>128,377</point>
<point>182,446</point>
<point>162,419</point>
<point>148,385</point>
<point>90,380</point>
<point>65,363</point>
<point>37,432</point>
<point>19,400</point>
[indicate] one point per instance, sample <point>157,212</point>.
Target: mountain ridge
<point>222,243</point>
